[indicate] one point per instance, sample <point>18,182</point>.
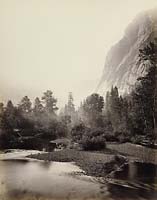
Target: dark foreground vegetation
<point>128,118</point>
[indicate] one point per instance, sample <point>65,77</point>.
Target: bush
<point>77,132</point>
<point>111,138</point>
<point>88,139</point>
<point>122,137</point>
<point>93,140</point>
<point>143,140</point>
<point>7,140</point>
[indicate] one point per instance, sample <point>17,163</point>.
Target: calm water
<point>31,179</point>
<point>136,180</point>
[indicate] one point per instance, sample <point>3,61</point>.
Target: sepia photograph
<point>78,99</point>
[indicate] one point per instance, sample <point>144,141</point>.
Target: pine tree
<point>69,110</point>
<point>38,107</point>
<point>145,93</point>
<point>115,109</point>
<point>1,115</point>
<point>49,102</point>
<point>9,117</point>
<point>70,105</point>
<point>25,105</point>
<point>92,109</point>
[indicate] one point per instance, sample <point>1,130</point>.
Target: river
<point>23,178</point>
<point>27,178</point>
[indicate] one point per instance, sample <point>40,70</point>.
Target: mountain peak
<point>122,66</point>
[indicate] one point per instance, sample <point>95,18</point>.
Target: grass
<point>137,152</point>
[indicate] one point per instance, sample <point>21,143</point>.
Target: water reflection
<point>44,179</point>
<point>46,165</point>
<point>22,178</point>
<point>135,180</point>
<point>146,173</point>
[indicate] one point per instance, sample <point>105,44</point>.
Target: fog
<point>59,44</point>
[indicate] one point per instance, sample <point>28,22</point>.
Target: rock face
<point>123,66</point>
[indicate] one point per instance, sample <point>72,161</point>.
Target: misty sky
<point>59,44</point>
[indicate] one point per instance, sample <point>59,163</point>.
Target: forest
<point>116,118</point>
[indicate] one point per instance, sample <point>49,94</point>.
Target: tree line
<point>131,117</point>
<point>30,119</point>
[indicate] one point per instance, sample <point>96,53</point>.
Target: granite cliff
<point>122,66</point>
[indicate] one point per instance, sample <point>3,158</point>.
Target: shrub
<point>77,132</point>
<point>93,140</point>
<point>88,139</point>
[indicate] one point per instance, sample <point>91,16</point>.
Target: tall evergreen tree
<point>1,115</point>
<point>25,105</point>
<point>114,108</point>
<point>38,107</point>
<point>9,117</point>
<point>70,105</point>
<point>92,109</point>
<point>69,109</point>
<point>145,93</point>
<point>49,102</point>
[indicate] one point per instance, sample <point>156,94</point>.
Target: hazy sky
<point>59,44</point>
